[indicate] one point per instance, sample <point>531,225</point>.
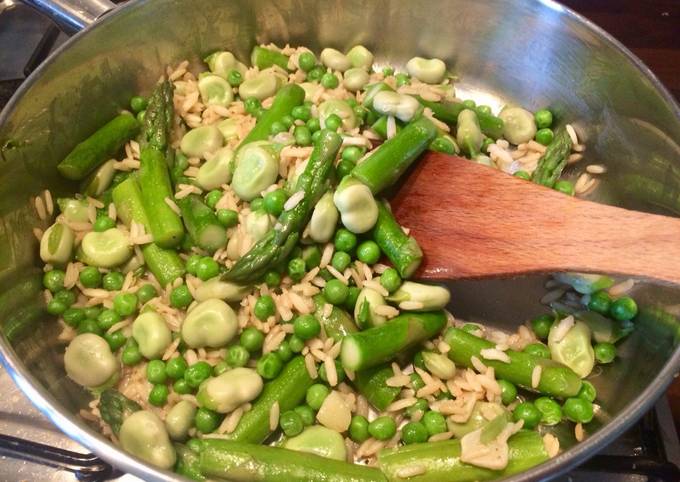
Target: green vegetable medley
<point>237,294</point>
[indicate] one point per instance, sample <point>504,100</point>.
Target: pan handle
<point>72,15</point>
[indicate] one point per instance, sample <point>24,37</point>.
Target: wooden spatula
<point>473,221</point>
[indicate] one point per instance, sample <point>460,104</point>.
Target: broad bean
<point>261,86</point>
<point>574,349</point>
<point>56,244</point>
<point>214,288</point>
<point>360,57</point>
<point>74,210</point>
<point>144,435</point>
<point>469,135</point>
<point>431,297</point>
<point>439,365</point>
<point>231,389</point>
<point>320,441</point>
<point>477,419</point>
<point>179,420</point>
<point>229,128</point>
<point>151,334</point>
<point>311,89</point>
<point>340,108</point>
<point>89,362</point>
<point>519,125</point>
<point>257,167</point>
<point>355,79</point>
<point>365,315</point>
<point>201,140</point>
<point>106,249</point>
<point>215,90</point>
<point>100,180</point>
<point>257,224</point>
<point>324,219</point>
<point>211,323</point>
<point>334,59</point>
<point>357,207</point>
<point>430,71</point>
<point>221,63</point>
<point>403,107</point>
<point>217,170</point>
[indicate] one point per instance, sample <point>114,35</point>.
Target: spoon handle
<point>474,222</point>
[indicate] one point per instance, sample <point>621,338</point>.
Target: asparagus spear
<point>401,249</point>
<point>556,379</point>
<point>552,162</point>
<point>441,460</point>
<point>288,389</point>
<point>447,112</point>
<point>165,264</point>
<point>201,223</point>
<point>154,179</point>
<point>336,325</point>
<point>288,97</point>
<point>263,58</point>
<point>371,384</point>
<point>380,126</point>
<point>240,461</point>
<point>99,147</point>
<point>115,408</point>
<point>382,168</point>
<point>278,242</point>
<point>188,463</point>
<point>370,348</point>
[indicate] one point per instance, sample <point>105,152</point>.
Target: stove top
<point>648,452</point>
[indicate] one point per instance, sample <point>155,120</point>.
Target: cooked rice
<point>536,376</point>
<point>596,169</point>
<point>579,433</point>
<point>440,437</point>
<point>274,416</point>
<point>411,305</point>
<point>621,288</point>
<point>551,444</point>
<point>411,471</point>
<point>310,364</point>
<point>40,208</point>
<point>494,354</point>
<point>562,328</point>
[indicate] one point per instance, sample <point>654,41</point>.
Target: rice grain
<point>274,416</point>
<point>536,376</point>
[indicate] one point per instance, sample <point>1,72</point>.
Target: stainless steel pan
<point>532,53</point>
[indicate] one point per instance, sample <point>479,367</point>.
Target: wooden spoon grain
<point>473,221</point>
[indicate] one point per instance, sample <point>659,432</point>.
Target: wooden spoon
<point>473,221</point>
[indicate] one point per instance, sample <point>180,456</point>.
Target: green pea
<point>306,414</point>
<point>284,352</point>
<point>368,252</point>
<point>306,61</point>
<point>158,396</point>
<point>420,407</point>
<point>264,307</point>
<point>53,280</point>
<point>296,269</point>
<point>272,279</point>
<point>434,422</point>
<point>131,354</point>
<point>257,204</point>
<point>296,344</point>
<point>125,304</point>
<point>277,127</point>
<point>382,428</point>
<point>551,412</point>
<point>180,297</point>
<point>541,326</point>
<point>352,153</point>
<point>234,78</point>
<point>600,302</point>
<point>73,316</point>
<point>338,369</point>
<point>113,281</point>
<point>345,240</point>
<point>387,71</point>
<point>237,356</point>
<point>543,118</point>
<point>587,391</point>
<point>252,104</point>
<point>191,264</point>
<point>68,297</point>
<point>269,366</point>
<point>175,367</point>
<point>181,387</point>
<point>206,421</point>
<point>352,298</point>
<point>316,73</point>
<point>56,307</point>
<point>623,309</point>
<point>107,319</point>
<point>485,147</point>
<point>197,373</point>
<point>390,280</point>
<point>578,410</point>
<point>537,349</point>
<point>291,423</point>
<point>340,261</point>
<point>93,312</point>
<point>252,339</point>
<point>138,104</point>
<point>416,381</point>
<point>195,445</point>
<point>329,80</point>
<point>115,339</point>
<point>212,198</point>
<point>544,136</point>
<point>483,109</point>
<point>227,217</point>
<point>528,412</point>
<point>443,144</point>
<point>565,187</point>
<point>141,115</point>
<point>303,136</point>
<point>274,201</point>
<point>402,79</point>
<point>89,326</point>
<point>207,268</point>
<point>413,433</point>
<point>508,392</point>
<point>90,277</point>
<point>333,122</point>
<point>336,292</point>
<point>522,175</point>
<point>316,394</point>
<point>306,327</point>
<point>287,120</point>
<point>344,168</point>
<point>312,256</point>
<point>314,124</point>
<point>146,293</point>
<point>155,371</point>
<point>358,429</point>
<point>301,112</point>
<point>469,104</point>
<point>103,223</point>
<point>605,352</point>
